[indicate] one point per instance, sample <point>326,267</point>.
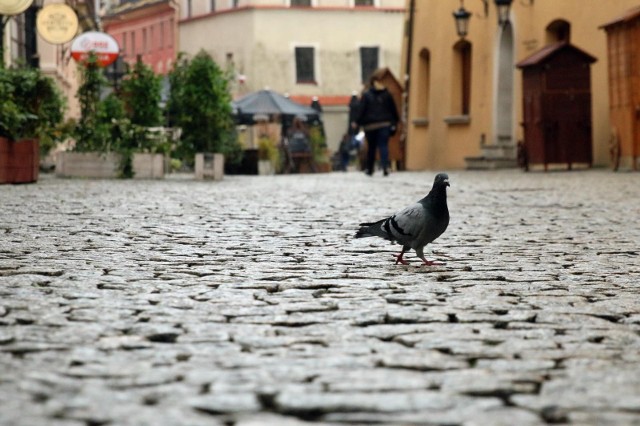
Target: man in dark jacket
<point>378,117</point>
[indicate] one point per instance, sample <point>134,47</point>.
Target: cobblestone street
<point>247,302</point>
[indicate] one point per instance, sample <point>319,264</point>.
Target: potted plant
<point>200,104</point>
<point>268,156</point>
<point>114,136</point>
<point>319,148</point>
<point>31,113</point>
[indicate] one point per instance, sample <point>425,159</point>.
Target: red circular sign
<point>103,45</point>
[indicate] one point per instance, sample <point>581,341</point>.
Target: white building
<point>303,48</point>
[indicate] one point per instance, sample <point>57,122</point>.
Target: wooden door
<point>567,128</point>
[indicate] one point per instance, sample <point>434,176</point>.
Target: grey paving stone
<point>248,302</point>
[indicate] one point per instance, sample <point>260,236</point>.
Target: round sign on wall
<point>57,23</point>
<point>103,45</point>
<point>14,7</point>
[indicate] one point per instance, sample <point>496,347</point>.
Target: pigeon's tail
<point>371,229</point>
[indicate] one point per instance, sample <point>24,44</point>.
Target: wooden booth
<point>556,91</point>
<point>623,49</point>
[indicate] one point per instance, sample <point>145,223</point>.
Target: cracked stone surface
<point>247,302</point>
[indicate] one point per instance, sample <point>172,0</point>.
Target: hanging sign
<point>57,23</point>
<point>14,7</point>
<point>103,45</point>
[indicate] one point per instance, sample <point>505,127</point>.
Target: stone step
<point>498,151</point>
<point>484,163</point>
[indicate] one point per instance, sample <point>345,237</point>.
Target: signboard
<point>57,23</point>
<point>103,45</point>
<point>14,7</point>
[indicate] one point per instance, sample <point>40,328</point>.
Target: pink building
<point>145,28</point>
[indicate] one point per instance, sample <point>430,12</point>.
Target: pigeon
<point>415,226</point>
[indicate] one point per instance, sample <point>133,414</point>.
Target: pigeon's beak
<point>446,182</point>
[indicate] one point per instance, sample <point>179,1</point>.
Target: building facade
<point>465,94</point>
<point>22,45</point>
<point>305,49</point>
<point>145,29</point>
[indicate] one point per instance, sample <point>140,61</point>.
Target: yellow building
<point>465,97</point>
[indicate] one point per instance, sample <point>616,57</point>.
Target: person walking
<point>378,116</point>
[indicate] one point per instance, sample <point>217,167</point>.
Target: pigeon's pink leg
<point>430,262</point>
<point>399,258</point>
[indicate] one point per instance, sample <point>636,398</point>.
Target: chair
<point>299,153</point>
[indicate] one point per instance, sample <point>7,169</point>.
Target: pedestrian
<point>378,117</point>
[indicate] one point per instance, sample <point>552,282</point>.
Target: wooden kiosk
<point>623,49</point>
<point>556,90</point>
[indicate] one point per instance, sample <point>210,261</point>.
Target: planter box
<point>107,166</point>
<point>148,166</point>
<point>88,165</point>
<point>209,166</point>
<point>19,161</point>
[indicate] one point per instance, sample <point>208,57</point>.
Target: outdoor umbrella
<point>269,103</point>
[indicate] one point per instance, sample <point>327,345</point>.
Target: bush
<point>200,103</point>
<point>31,107</point>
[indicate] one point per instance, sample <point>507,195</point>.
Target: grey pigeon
<point>417,225</point>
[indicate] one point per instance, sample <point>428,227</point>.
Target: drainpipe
<point>407,80</point>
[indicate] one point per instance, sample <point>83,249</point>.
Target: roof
<point>546,53</point>
<point>131,6</point>
<point>628,16</point>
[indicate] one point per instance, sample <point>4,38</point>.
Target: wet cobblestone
<point>247,302</point>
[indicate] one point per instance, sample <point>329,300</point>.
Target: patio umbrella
<point>269,103</point>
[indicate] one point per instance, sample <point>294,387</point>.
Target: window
<point>133,44</point>
<point>423,83</point>
<point>124,43</point>
<point>305,67</point>
<point>363,3</point>
<point>558,31</point>
<point>152,38</point>
<point>303,3</point>
<point>461,72</point>
<point>235,3</point>
<point>189,8</point>
<point>212,5</point>
<point>161,35</point>
<point>145,47</point>
<point>368,62</point>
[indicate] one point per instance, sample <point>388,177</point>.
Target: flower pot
<point>148,166</point>
<point>265,167</point>
<point>19,160</point>
<point>209,166</point>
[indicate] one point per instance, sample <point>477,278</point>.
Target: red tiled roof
<point>325,100</point>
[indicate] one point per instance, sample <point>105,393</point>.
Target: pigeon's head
<point>441,180</point>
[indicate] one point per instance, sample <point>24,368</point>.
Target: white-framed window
<point>358,3</point>
<point>300,3</point>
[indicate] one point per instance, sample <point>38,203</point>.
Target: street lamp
<point>461,17</point>
<point>31,37</point>
<point>503,7</point>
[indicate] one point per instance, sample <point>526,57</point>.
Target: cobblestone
<point>247,302</point>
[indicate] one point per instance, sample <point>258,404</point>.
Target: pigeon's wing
<point>406,225</point>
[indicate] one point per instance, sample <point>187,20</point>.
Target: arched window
<point>423,83</point>
<point>558,31</point>
<point>461,72</point>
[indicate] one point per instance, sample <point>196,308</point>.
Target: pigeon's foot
<point>399,259</point>
<point>432,263</point>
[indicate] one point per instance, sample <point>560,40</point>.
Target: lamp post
<point>462,17</point>
<point>503,7</point>
<point>32,56</point>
